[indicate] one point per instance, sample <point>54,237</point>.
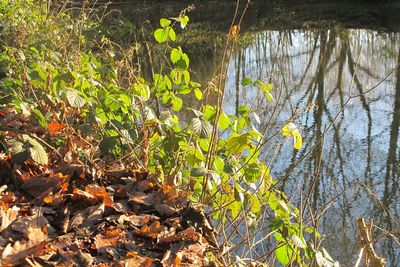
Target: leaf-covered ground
<point>98,213</point>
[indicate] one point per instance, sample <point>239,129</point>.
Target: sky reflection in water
<point>355,170</point>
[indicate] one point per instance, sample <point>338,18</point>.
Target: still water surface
<point>353,167</point>
<point>354,170</point>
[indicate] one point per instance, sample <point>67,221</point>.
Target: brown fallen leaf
<point>136,260</point>
<point>86,218</point>
<point>142,198</point>
<point>151,231</point>
<point>165,210</point>
<point>7,217</point>
<point>194,254</point>
<point>134,220</point>
<point>171,259</point>
<point>100,192</point>
<point>19,250</point>
<point>188,234</point>
<point>35,234</point>
<point>102,243</point>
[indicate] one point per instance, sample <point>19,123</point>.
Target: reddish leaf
<point>150,231</point>
<point>55,127</point>
<point>100,193</point>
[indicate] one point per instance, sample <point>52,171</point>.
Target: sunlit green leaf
<point>161,35</point>
<point>171,34</point>
<point>237,143</point>
<point>255,203</point>
<point>165,22</point>
<point>201,127</point>
<point>37,152</point>
<point>224,121</point>
<point>219,164</point>
<point>186,76</point>
<point>247,81</point>
<point>40,118</point>
<point>177,104</point>
<point>284,253</point>
<point>175,55</point>
<point>183,21</point>
<point>198,93</point>
<point>75,99</point>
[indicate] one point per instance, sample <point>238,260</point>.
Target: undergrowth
<point>73,93</point>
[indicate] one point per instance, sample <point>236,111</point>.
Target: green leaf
<point>185,58</point>
<point>18,151</point>
<point>161,35</point>
<point>184,90</point>
<point>165,22</point>
<point>223,121</point>
<point>198,171</point>
<point>40,118</point>
<point>75,99</point>
<point>247,81</point>
<point>198,93</point>
<point>37,152</point>
<point>237,143</point>
<point>186,76</point>
<point>107,144</point>
<point>284,253</point>
<point>171,34</point>
<point>201,127</point>
<point>235,208</point>
<point>142,90</point>
<point>175,55</point>
<point>183,20</point>
<point>204,144</point>
<point>21,151</point>
<point>255,203</point>
<point>177,104</point>
<point>269,97</point>
<point>219,165</point>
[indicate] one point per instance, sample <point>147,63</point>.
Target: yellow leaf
<point>290,129</point>
<point>298,141</point>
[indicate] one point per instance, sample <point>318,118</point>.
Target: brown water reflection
<point>354,171</point>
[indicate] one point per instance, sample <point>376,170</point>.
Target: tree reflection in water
<point>354,171</point>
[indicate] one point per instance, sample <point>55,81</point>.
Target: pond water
<point>354,165</point>
<point>350,155</point>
